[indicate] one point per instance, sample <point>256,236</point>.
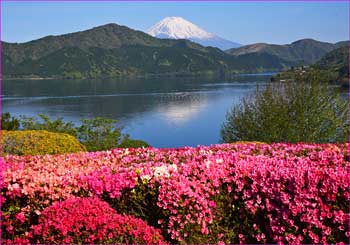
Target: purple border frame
<point>175,1</point>
<point>0,69</point>
<point>164,1</point>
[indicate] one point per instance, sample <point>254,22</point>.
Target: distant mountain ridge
<point>114,50</point>
<point>179,28</point>
<point>305,51</point>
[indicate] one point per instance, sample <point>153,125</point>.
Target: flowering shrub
<point>231,193</point>
<point>38,142</point>
<point>90,220</point>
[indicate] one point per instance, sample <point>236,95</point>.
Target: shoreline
<point>179,75</point>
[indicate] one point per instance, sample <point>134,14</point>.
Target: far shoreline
<point>167,75</point>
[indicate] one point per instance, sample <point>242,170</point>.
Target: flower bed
<point>231,193</point>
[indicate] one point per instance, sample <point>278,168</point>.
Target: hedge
<point>38,142</point>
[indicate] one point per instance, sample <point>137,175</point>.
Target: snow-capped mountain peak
<point>179,28</point>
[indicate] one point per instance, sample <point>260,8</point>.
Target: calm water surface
<point>164,112</point>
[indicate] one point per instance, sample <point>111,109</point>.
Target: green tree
<point>99,134</point>
<point>306,110</point>
<point>8,122</point>
<point>46,123</point>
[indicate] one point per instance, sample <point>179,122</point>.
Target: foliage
<point>8,122</point>
<point>302,111</point>
<point>46,123</point>
<point>38,142</point>
<point>95,134</point>
<point>90,220</point>
<point>131,143</point>
<point>99,134</point>
<point>230,193</point>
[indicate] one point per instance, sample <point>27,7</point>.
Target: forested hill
<point>332,67</point>
<point>305,51</point>
<point>336,61</point>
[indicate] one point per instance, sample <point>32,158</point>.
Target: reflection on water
<point>181,108</point>
<point>164,112</point>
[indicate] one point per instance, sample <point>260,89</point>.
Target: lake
<point>165,112</point>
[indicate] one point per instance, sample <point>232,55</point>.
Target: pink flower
<point>212,204</point>
<point>20,216</point>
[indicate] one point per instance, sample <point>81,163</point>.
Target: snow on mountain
<point>179,28</point>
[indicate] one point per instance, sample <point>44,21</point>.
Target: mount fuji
<point>179,28</point>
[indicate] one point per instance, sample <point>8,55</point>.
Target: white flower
<point>161,171</point>
<point>207,163</point>
<point>219,160</point>
<point>164,171</point>
<point>126,152</point>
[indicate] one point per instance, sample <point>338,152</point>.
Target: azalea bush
<point>231,193</point>
<point>90,220</point>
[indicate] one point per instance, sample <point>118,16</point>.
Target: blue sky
<point>243,22</point>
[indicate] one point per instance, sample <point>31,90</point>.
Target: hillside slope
<point>305,51</point>
<point>109,50</point>
<point>336,59</point>
<point>332,67</point>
